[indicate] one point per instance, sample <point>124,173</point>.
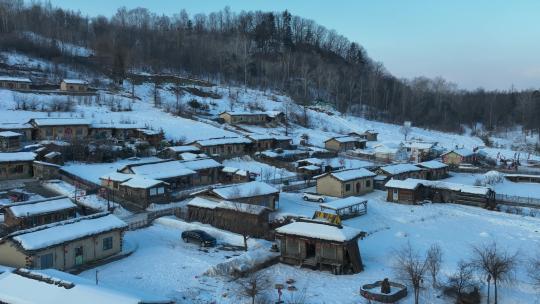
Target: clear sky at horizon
<point>492,44</point>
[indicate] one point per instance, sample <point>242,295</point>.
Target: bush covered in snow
<point>490,178</point>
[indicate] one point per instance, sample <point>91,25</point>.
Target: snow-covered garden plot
<point>455,228</point>
<point>163,264</point>
<point>264,171</point>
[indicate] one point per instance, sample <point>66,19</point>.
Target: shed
<point>434,169</point>
<point>402,171</point>
<point>10,141</point>
<point>457,157</point>
<point>16,165</point>
<point>15,83</point>
<point>33,213</point>
<point>346,208</point>
<point>344,143</point>
<point>255,193</point>
<point>74,85</point>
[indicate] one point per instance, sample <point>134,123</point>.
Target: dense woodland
<point>265,50</point>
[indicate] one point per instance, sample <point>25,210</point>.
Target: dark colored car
<point>199,236</point>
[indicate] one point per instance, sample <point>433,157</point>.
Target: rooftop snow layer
<point>31,208</point>
<point>37,287</point>
<point>223,141</point>
<point>342,203</point>
<point>462,152</point>
<point>250,189</point>
<point>75,81</point>
<point>162,170</point>
<point>200,164</point>
<point>347,175</point>
<point>400,168</point>
<point>9,134</point>
<point>344,139</point>
<point>181,149</point>
<point>141,182</point>
<point>411,183</point>
<point>61,121</point>
<point>240,207</point>
<point>117,177</point>
<point>433,164</point>
<point>17,156</point>
<point>16,79</point>
<point>57,233</point>
<point>319,231</point>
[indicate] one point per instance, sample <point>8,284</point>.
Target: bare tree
<point>411,267</point>
<point>461,281</point>
<point>254,286</point>
<point>434,259</point>
<point>534,270</point>
<point>406,129</point>
<point>243,229</point>
<point>496,264</point>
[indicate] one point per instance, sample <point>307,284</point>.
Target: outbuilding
<point>74,85</point>
<point>224,146</point>
<point>402,171</point>
<point>10,141</point>
<point>434,169</point>
<point>15,83</point>
<point>16,165</point>
<point>344,143</point>
<point>33,213</point>
<point>457,157</point>
<point>345,182</point>
<point>255,193</point>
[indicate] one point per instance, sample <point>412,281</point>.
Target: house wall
<point>15,85</point>
<point>62,132</point>
<point>9,144</point>
<point>141,197</point>
<point>453,158</point>
<point>12,221</point>
<point>223,150</point>
<point>73,87</point>
<point>404,196</point>
<point>293,250</point>
<point>330,186</point>
<point>43,171</point>
<point>11,256</point>
<point>268,201</point>
<point>15,170</point>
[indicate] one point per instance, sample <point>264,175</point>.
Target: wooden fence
<point>520,201</point>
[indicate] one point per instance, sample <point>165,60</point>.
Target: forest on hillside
<point>263,50</point>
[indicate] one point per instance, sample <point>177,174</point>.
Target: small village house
<point>44,171</point>
<point>207,170</point>
<point>60,128</point>
<point>368,135</point>
<point>74,85</point>
<point>419,151</point>
<point>10,141</point>
<point>224,146</point>
<point>141,192</point>
<point>320,245</point>
<point>345,182</point>
<point>282,142</point>
<point>414,191</point>
<point>153,138</point>
<point>51,286</point>
<point>401,171</point>
<point>117,131</point>
<point>255,193</point>
<point>234,175</point>
<point>16,165</point>
<point>275,117</point>
<point>262,142</point>
<point>64,245</point>
<point>175,152</point>
<point>232,216</point>
<point>238,117</point>
<point>434,169</point>
<point>173,172</point>
<point>344,143</point>
<point>457,157</point>
<point>15,83</point>
<point>25,129</point>
<point>29,214</point>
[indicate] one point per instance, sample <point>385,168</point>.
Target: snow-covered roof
<point>244,113</point>
<point>261,136</point>
<point>433,164</point>
<point>181,149</point>
<point>462,152</point>
<point>30,208</point>
<point>412,183</point>
<point>61,232</point>
<point>117,177</point>
<point>400,168</point>
<point>200,164</point>
<point>310,168</point>
<point>274,113</point>
<point>148,131</point>
<point>61,121</point>
<point>342,203</point>
<point>311,160</point>
<point>120,126</point>
<point>52,154</point>
<point>420,145</point>
<point>9,134</point>
<point>250,189</point>
<point>141,182</point>
<point>202,202</point>
<point>223,141</point>
<point>351,174</point>
<point>14,126</point>
<point>189,156</point>
<point>162,170</point>
<point>51,286</point>
<point>345,139</point>
<point>17,156</point>
<point>320,231</point>
<point>15,79</point>
<point>234,171</point>
<point>75,81</point>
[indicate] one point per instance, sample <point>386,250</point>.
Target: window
<point>46,261</point>
<point>79,131</point>
<point>107,243</point>
<point>153,191</point>
<point>17,169</point>
<point>368,183</point>
<point>347,187</point>
<point>48,132</point>
<point>160,190</point>
<point>292,246</point>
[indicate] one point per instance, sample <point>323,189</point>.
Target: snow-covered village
<point>248,154</point>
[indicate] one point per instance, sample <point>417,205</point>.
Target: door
<point>310,250</point>
<point>79,255</point>
<point>394,195</point>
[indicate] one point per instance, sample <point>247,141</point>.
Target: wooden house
<point>116,131</point>
<point>172,172</point>
<point>232,216</point>
<point>255,193</point>
<point>457,157</point>
<point>320,245</point>
<point>345,182</point>
<point>434,169</point>
<point>10,141</point>
<point>344,143</point>
<point>419,151</point>
<point>25,129</point>
<point>142,192</point>
<point>74,85</point>
<point>224,146</point>
<point>234,175</point>
<point>43,170</point>
<point>64,245</point>
<point>60,128</point>
<point>153,138</point>
<point>239,117</point>
<point>261,142</point>
<point>207,170</point>
<point>368,135</point>
<point>401,171</point>
<point>175,152</point>
<point>29,214</point>
<point>16,165</point>
<point>15,83</point>
<point>413,191</point>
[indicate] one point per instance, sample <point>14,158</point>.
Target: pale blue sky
<point>475,43</point>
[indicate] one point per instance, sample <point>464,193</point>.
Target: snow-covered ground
<point>167,266</point>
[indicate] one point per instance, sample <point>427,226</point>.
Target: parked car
<point>198,236</point>
<point>314,197</point>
